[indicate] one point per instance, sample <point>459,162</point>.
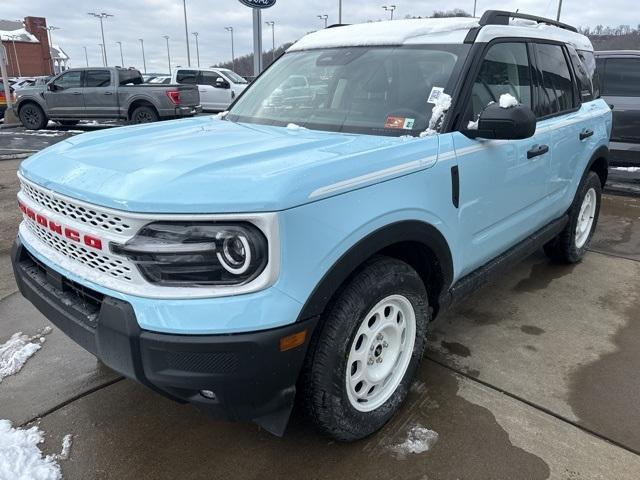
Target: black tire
<point>143,114</point>
<point>563,249</point>
<point>32,116</point>
<point>323,386</point>
<point>68,123</point>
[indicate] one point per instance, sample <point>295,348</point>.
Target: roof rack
<point>500,17</point>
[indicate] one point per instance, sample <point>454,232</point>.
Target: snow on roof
<point>433,30</point>
<point>390,32</point>
<point>58,54</point>
<point>20,34</point>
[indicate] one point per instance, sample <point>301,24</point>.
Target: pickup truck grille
<point>68,209</point>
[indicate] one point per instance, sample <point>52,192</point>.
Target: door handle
<point>586,133</point>
<point>108,93</point>
<point>537,151</point>
<point>76,93</point>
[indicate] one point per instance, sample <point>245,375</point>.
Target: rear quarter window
<point>585,84</point>
<point>593,70</point>
<point>556,92</point>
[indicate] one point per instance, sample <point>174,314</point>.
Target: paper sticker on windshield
<point>399,122</point>
<point>435,94</point>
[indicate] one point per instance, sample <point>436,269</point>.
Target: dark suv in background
<point>620,87</point>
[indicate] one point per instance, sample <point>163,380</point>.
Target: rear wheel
<point>144,114</point>
<point>32,117</point>
<point>572,243</point>
<point>363,358</point>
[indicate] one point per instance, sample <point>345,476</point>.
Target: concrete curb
<point>15,156</point>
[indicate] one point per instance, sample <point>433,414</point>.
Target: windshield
<point>371,90</point>
<point>233,76</point>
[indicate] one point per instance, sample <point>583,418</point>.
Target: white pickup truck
<point>218,87</point>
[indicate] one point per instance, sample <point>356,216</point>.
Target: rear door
<point>621,90</point>
<point>100,99</point>
<point>503,183</point>
<point>66,96</point>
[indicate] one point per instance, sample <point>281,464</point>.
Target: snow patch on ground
<point>437,114</point>
<point>419,440</point>
<point>627,169</point>
<point>21,458</point>
<point>507,100</point>
<point>15,352</point>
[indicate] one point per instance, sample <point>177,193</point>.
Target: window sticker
<point>435,94</point>
<point>399,123</point>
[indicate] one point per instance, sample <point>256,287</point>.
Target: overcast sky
<point>150,19</point>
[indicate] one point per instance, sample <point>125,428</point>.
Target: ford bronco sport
<point>301,247</point>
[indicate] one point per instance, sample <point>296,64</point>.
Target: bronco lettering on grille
<point>66,232</point>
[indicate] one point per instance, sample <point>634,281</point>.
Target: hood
<point>208,165</point>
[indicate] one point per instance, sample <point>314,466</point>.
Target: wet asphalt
<point>535,376</point>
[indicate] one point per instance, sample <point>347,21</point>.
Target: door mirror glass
<point>221,83</point>
<point>497,123</point>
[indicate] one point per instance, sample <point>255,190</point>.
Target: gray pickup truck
<point>103,93</point>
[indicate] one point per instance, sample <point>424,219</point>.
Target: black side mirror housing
<point>497,123</point>
<point>220,83</point>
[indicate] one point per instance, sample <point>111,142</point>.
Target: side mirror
<point>52,87</point>
<point>496,123</point>
<point>221,83</point>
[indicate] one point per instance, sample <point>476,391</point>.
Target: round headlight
<point>236,254</point>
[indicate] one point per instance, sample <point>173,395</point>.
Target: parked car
<point>218,86</point>
<point>103,93</point>
<point>3,98</point>
<point>620,87</point>
<point>237,261</point>
<point>164,80</point>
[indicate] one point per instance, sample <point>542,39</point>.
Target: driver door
<point>503,183</point>
<point>216,95</point>
<point>64,96</point>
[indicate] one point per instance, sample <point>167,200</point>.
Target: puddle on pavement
<point>604,394</point>
<point>531,330</point>
<point>618,231</point>
<point>456,348</point>
<point>541,275</point>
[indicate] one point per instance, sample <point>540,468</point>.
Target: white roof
<point>21,35</point>
<point>58,54</point>
<point>433,30</point>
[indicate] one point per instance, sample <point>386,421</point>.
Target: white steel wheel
<point>380,353</point>
<point>585,218</point>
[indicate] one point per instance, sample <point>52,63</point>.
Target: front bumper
<point>251,378</point>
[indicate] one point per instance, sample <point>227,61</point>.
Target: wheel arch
<point>599,163</point>
<point>140,102</point>
<point>26,101</point>
<point>417,243</point>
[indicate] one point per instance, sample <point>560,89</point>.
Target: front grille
<point>83,299</point>
<point>86,215</point>
<point>93,259</point>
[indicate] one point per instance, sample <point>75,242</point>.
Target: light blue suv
<point>300,243</point>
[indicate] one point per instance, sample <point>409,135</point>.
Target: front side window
<point>69,80</point>
<point>556,92</point>
<point>504,70</point>
<point>233,76</point>
<point>97,78</point>
<point>622,77</point>
<point>370,90</point>
<point>208,78</point>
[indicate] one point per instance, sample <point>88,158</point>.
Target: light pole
<point>144,60</point>
<point>559,10</point>
<point>121,57</point>
<point>475,4</point>
<point>49,29</point>
<point>86,56</point>
<point>102,16</point>
<point>195,34</point>
<point>102,53</point>
<point>15,52</point>
<point>340,12</point>
<point>324,17</point>
<point>390,8</point>
<point>166,37</point>
<point>272,24</point>
<point>186,33</point>
<point>233,55</point>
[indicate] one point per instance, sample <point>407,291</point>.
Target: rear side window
<point>593,70</point>
<point>585,87</point>
<point>504,70</point>
<point>622,77</point>
<point>97,78</point>
<point>556,92</point>
<point>187,76</point>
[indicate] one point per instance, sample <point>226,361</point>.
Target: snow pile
<point>295,126</point>
<point>17,350</point>
<point>394,32</point>
<point>473,125</point>
<point>443,103</point>
<point>21,459</point>
<point>627,169</point>
<point>419,440</point>
<point>507,100</point>
<point>222,115</point>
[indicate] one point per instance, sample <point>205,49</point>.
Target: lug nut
<point>370,362</point>
<point>385,344</point>
<point>379,336</point>
<point>379,360</point>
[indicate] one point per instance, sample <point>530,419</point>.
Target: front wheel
<point>369,344</point>
<point>572,243</point>
<point>32,117</point>
<point>143,114</point>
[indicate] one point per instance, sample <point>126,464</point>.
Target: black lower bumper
<point>251,379</point>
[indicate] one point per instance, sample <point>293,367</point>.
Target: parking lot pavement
<point>535,376</point>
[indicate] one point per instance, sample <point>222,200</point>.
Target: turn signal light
<point>292,341</point>
<point>174,96</point>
